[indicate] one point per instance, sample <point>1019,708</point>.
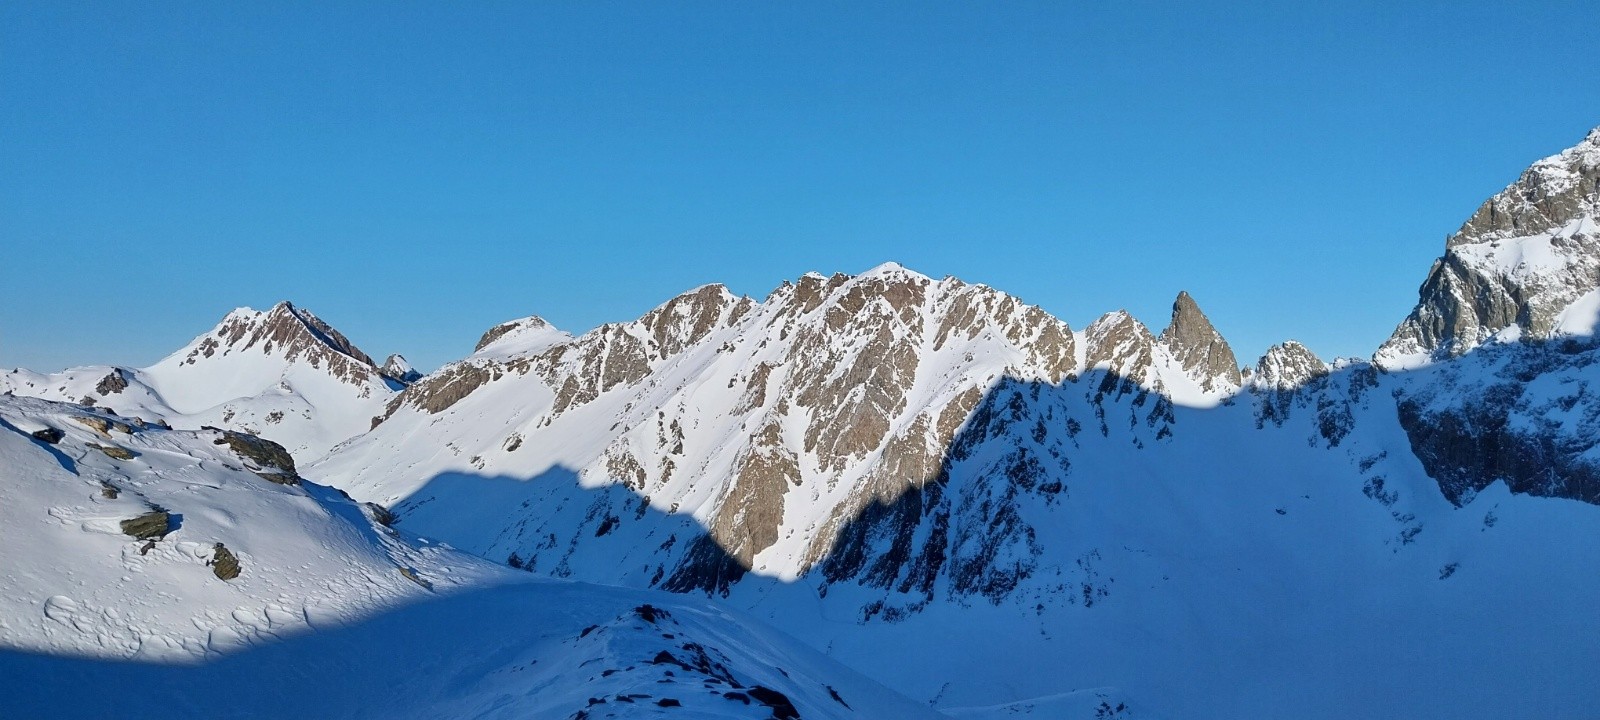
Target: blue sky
<point>416,173</point>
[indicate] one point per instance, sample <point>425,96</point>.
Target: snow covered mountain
<point>771,424</point>
<point>170,573</point>
<point>940,486</point>
<point>889,461</point>
<point>283,374</point>
<point>1526,265</point>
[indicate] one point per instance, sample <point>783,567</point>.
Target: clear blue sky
<point>415,173</point>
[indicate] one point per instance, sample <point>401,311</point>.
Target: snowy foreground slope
<point>256,593</point>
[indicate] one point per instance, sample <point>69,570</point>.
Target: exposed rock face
<point>1287,377</point>
<point>1526,266</point>
<point>1523,258</point>
<point>114,452</point>
<point>1199,348</point>
<point>519,336</point>
<point>49,435</point>
<point>1494,417</point>
<point>842,393</point>
<point>439,391</point>
<point>1121,346</point>
<point>1547,196</point>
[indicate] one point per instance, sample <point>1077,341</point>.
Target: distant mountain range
<point>957,495</point>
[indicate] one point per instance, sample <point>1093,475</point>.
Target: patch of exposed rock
<point>397,369</point>
<point>115,452</point>
<point>224,564</point>
<point>1547,195</point>
<point>1527,254</point>
<point>1120,345</point>
<point>114,382</point>
<point>291,333</point>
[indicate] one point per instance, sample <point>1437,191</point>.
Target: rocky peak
<point>397,368</point>
<point>288,332</point>
<point>686,319</point>
<point>1199,348</point>
<point>1525,256</point>
<point>1119,344</point>
<point>1547,196</point>
<point>1287,366</point>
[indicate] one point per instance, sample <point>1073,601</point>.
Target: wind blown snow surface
<point>332,614</point>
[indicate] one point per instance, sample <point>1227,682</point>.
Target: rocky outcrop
<point>114,452</point>
<point>152,525</point>
<point>1493,417</point>
<point>265,458</point>
<point>520,335</point>
<point>114,382</point>
<point>1546,197</point>
<point>1199,348</point>
<point>1122,346</point>
<point>224,564</point>
<point>291,333</point>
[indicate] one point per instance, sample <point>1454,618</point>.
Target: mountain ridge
<point>891,467</point>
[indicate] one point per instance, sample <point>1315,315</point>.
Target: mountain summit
<point>1199,348</point>
<point>1525,265</point>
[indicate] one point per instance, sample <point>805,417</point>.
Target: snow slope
<point>330,614</point>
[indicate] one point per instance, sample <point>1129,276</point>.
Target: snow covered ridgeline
<point>772,423</point>
<point>117,580</point>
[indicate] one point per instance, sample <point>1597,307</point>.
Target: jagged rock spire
<point>1199,348</point>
